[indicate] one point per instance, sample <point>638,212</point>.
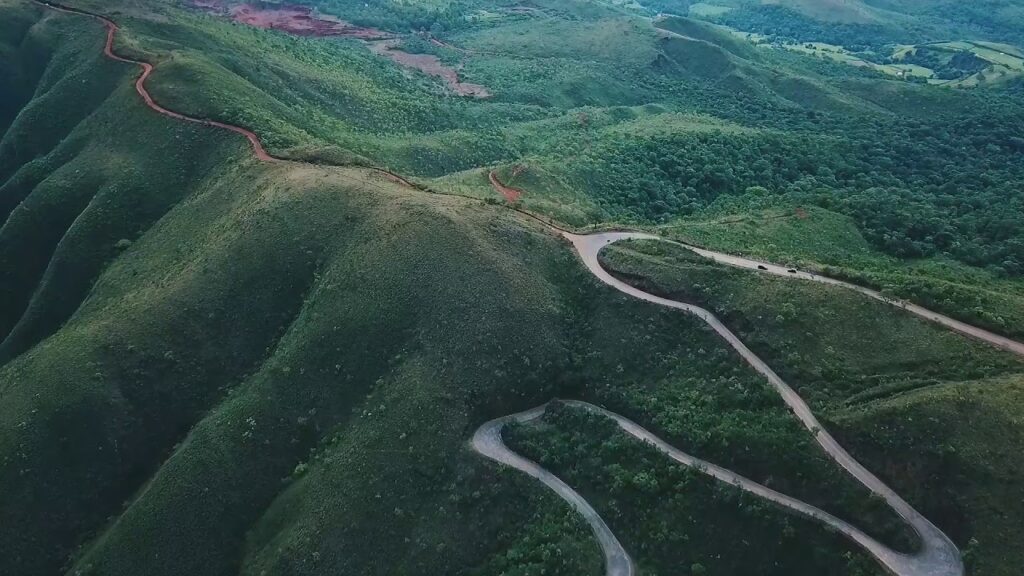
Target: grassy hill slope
<point>249,380</point>
<point>876,391</point>
<point>958,462</point>
<point>181,272</point>
<point>15,74</point>
<point>216,366</point>
<point>78,153</point>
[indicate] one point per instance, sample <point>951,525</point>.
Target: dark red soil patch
<point>431,65</point>
<point>298,20</point>
<point>510,194</point>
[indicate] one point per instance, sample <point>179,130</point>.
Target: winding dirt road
<point>487,441</point>
<point>147,69</point>
<point>258,150</point>
<point>938,555</point>
<point>511,194</point>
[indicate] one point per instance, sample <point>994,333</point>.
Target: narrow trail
<point>938,555</point>
<point>512,195</point>
<point>259,151</point>
<point>147,69</point>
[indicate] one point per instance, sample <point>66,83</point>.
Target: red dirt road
<point>140,84</point>
<point>510,194</point>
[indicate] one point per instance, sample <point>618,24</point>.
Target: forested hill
<point>215,362</point>
<point>864,22</point>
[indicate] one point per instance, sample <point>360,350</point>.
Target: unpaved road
<point>511,194</point>
<point>140,87</point>
<point>765,267</point>
<point>147,69</point>
<point>487,441</point>
<point>938,556</point>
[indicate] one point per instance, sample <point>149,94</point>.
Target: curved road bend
<point>938,555</point>
<point>487,441</point>
<point>147,69</point>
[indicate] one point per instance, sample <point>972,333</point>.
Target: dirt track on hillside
<point>147,69</point>
<point>140,87</point>
<point>510,194</point>
<point>938,555</point>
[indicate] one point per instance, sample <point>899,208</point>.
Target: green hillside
<point>941,42</point>
<point>932,412</point>
<point>561,75</point>
<point>254,370</point>
<point>953,468</point>
<point>213,365</point>
<point>863,21</point>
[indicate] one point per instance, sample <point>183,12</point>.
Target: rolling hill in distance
<point>482,287</point>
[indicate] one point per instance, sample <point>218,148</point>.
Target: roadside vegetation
<point>874,391</point>
<point>949,449</point>
<point>817,239</point>
<point>657,507</point>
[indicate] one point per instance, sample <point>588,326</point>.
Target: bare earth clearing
<point>430,65</point>
<point>510,194</point>
<point>298,20</point>
<point>302,21</point>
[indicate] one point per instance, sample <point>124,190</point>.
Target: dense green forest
<point>785,24</point>
<point>860,24</point>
